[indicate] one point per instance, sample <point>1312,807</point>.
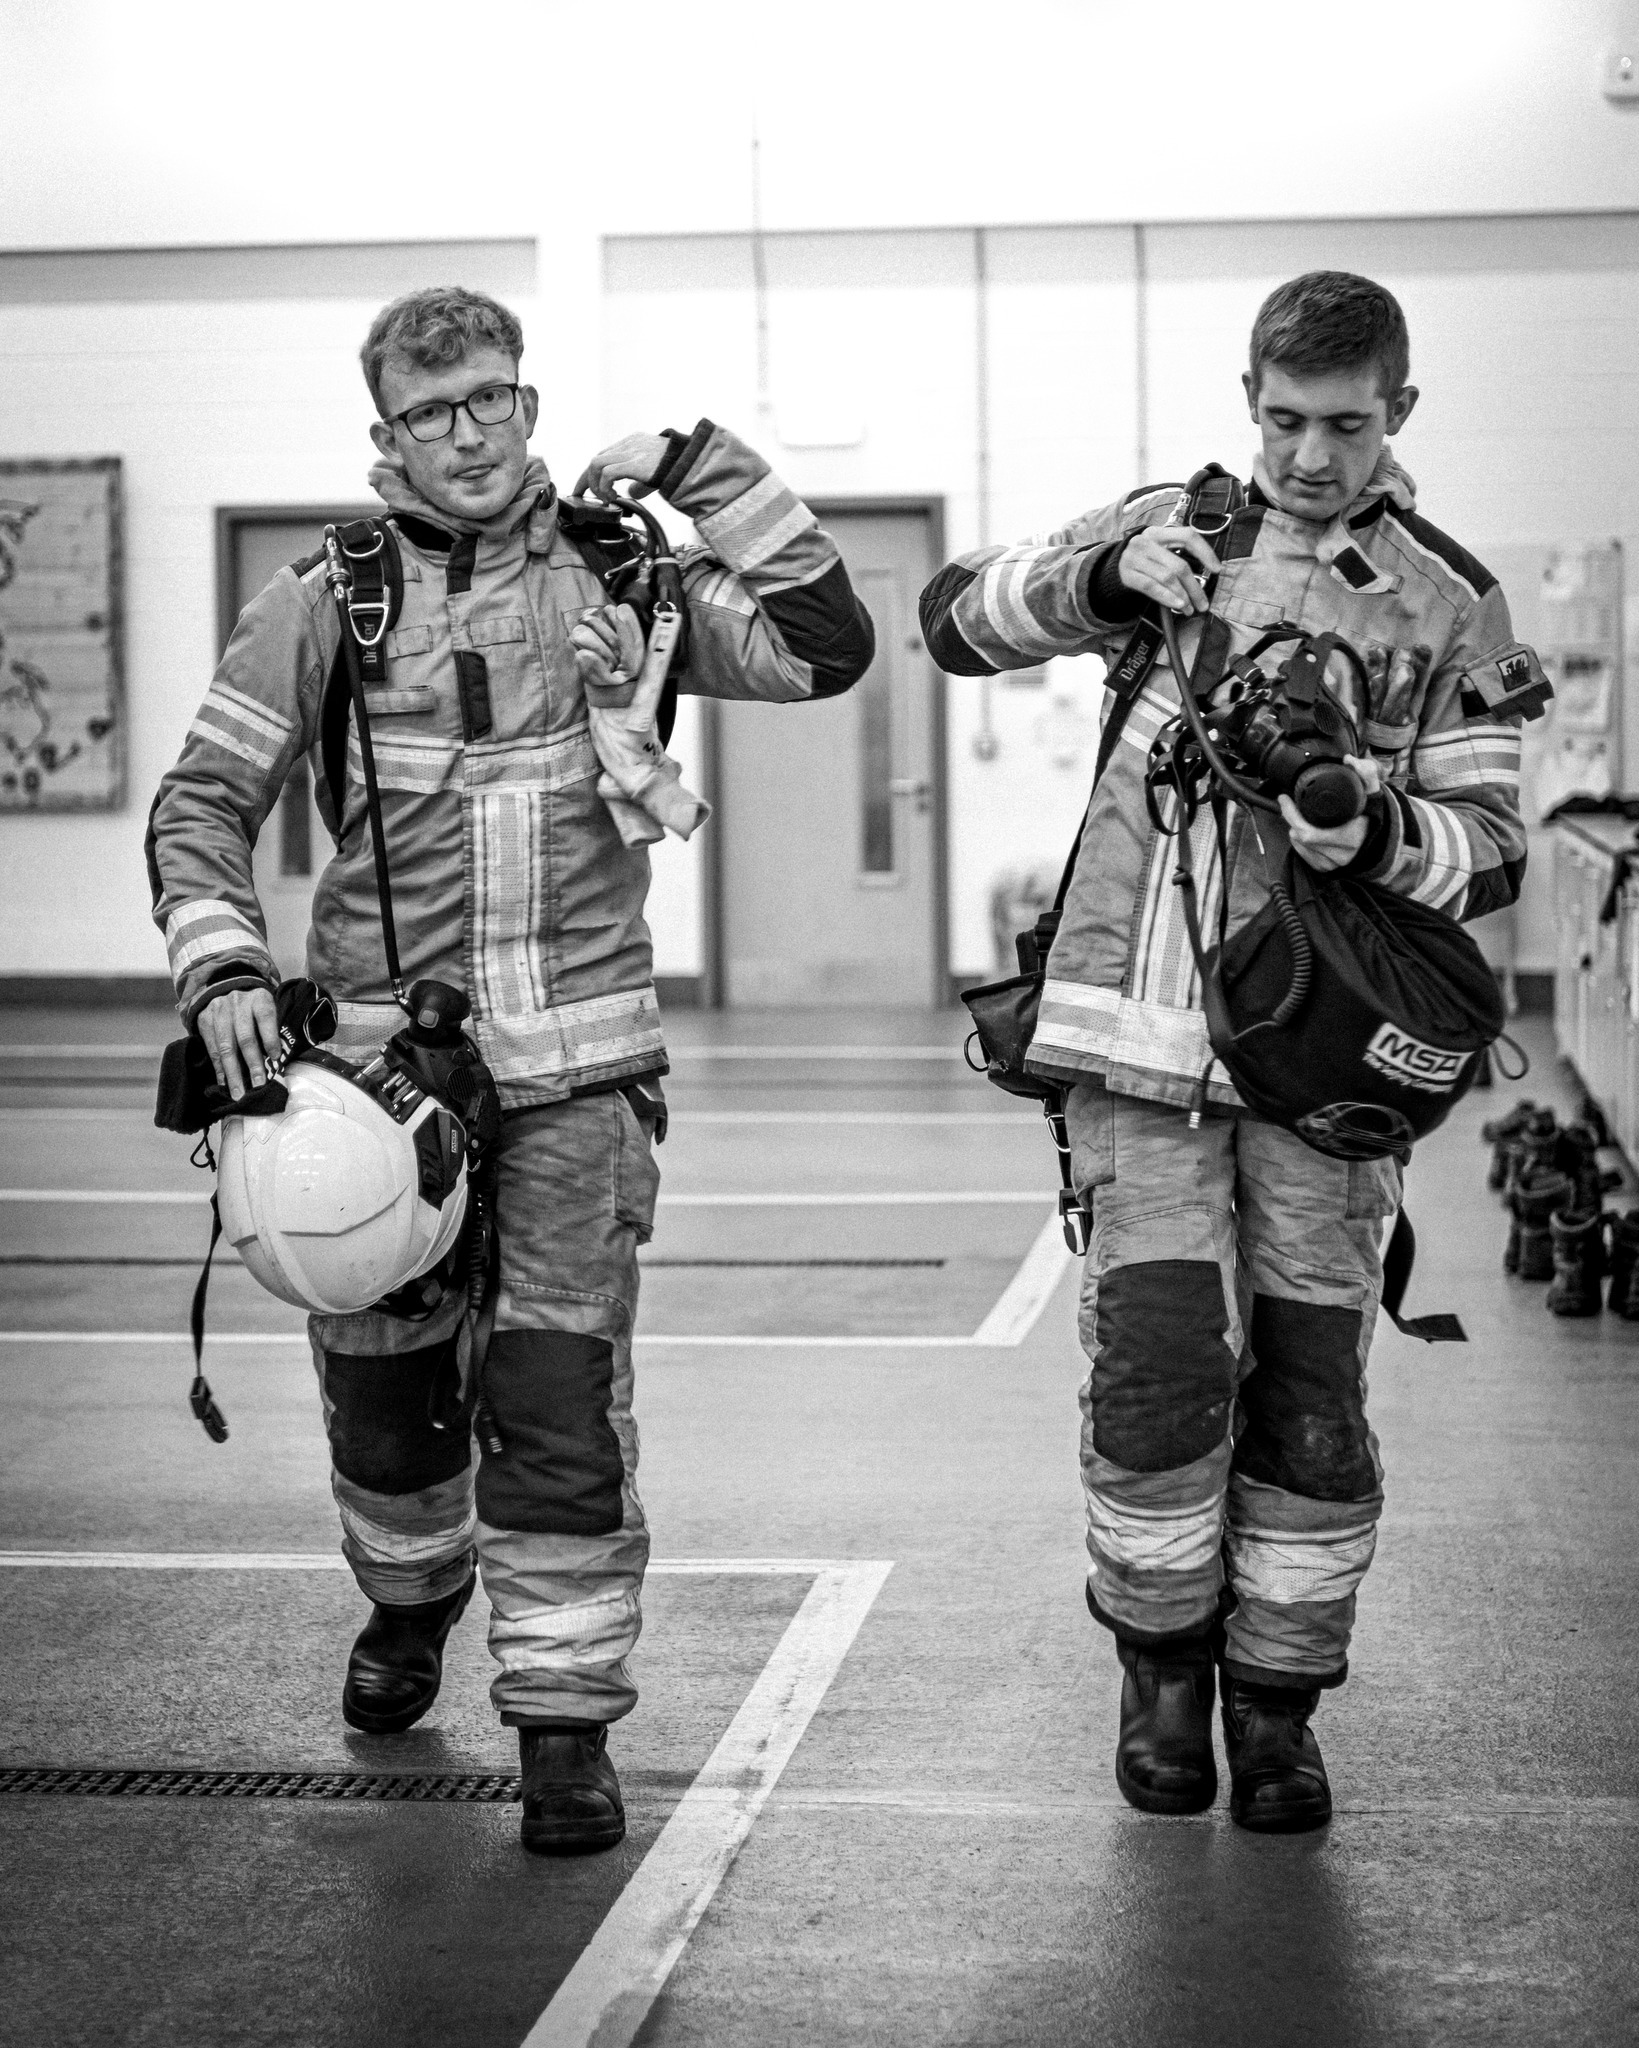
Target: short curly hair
<point>1332,320</point>
<point>433,327</point>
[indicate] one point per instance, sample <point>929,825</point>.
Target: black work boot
<point>1277,1781</point>
<point>571,1795</point>
<point>1499,1134</point>
<point>397,1663</point>
<point>1576,1154</point>
<point>1578,1240</point>
<point>1534,1200</point>
<point>1623,1298</point>
<point>1531,1149</point>
<point>1163,1758</point>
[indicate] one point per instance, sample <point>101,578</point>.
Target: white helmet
<point>356,1186</point>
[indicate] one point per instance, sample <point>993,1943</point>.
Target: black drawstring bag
<point>1399,1007</point>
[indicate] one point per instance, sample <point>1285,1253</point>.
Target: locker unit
<point>1596,977</point>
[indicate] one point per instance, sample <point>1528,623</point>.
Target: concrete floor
<point>945,1857</point>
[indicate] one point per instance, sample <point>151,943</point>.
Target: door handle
<point>909,785</point>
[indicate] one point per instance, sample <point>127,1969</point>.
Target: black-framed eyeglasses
<point>488,406</point>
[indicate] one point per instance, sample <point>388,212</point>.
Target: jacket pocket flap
<point>496,632</point>
<point>416,697</point>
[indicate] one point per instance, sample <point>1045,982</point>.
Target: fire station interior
<point>956,286</point>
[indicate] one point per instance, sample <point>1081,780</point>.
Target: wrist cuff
<point>1103,594</point>
<point>683,452</point>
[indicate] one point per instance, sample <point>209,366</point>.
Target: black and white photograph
<point>819,1025</point>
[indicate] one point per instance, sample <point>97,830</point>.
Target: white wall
<point>560,126</point>
<point>185,121</point>
<point>1525,339</point>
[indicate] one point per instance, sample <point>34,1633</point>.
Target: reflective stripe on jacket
<point>510,879</point>
<point>1122,995</point>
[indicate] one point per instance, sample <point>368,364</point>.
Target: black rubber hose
<point>1243,792</point>
<point>1303,959</point>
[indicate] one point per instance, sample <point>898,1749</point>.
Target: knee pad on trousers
<point>1163,1380</point>
<point>381,1436</point>
<point>561,1471</point>
<point>1303,1414</point>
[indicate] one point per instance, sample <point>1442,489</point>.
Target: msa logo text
<point>1408,1059</point>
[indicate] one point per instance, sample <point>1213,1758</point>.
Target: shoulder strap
<point>371,548</point>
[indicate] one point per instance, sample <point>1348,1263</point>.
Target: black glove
<point>191,1098</point>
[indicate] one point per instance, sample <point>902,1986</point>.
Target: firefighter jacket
<point>1449,684</point>
<point>510,878</point>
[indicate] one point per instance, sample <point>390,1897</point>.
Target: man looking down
<point>519,871</point>
<point>1232,1482</point>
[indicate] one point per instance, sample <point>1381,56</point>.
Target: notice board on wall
<point>62,687</point>
<point>1577,749</point>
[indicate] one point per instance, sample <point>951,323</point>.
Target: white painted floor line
<point>607,1996</point>
<point>888,1198</point>
<point>213,1338</point>
<point>784,1342</point>
<point>120,1050</point>
<point>813,1052</point>
<point>1018,1308</point>
<point>333,1561</point>
<point>58,1112</point>
<point>180,1339</point>
<point>683,1119</point>
<point>126,1050</point>
<point>806,1198</point>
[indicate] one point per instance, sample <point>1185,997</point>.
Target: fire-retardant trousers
<point>556,1521</point>
<point>1230,1296</point>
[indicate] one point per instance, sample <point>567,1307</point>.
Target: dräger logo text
<point>1408,1059</point>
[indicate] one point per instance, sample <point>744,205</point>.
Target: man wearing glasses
<point>516,880</point>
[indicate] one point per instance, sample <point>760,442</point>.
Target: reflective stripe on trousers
<point>1227,1310</point>
<point>556,1521</point>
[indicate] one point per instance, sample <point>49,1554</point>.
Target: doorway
<point>827,872</point>
<point>253,543</point>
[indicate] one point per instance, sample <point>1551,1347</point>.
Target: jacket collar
<point>1387,485</point>
<point>534,505</point>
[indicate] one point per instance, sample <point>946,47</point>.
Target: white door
<point>829,826</point>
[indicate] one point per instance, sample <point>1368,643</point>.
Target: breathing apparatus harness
<point>1349,1015</point>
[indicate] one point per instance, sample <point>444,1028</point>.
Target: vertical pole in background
<point>1141,364</point>
<point>714,993</point>
<point>984,740</point>
<point>759,281</point>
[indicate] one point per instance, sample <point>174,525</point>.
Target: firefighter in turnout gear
<point>1232,1481</point>
<point>517,808</point>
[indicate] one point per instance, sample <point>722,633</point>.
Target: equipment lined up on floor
<point>1559,1230</point>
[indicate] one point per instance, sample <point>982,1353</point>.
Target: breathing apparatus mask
<point>1288,733</point>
